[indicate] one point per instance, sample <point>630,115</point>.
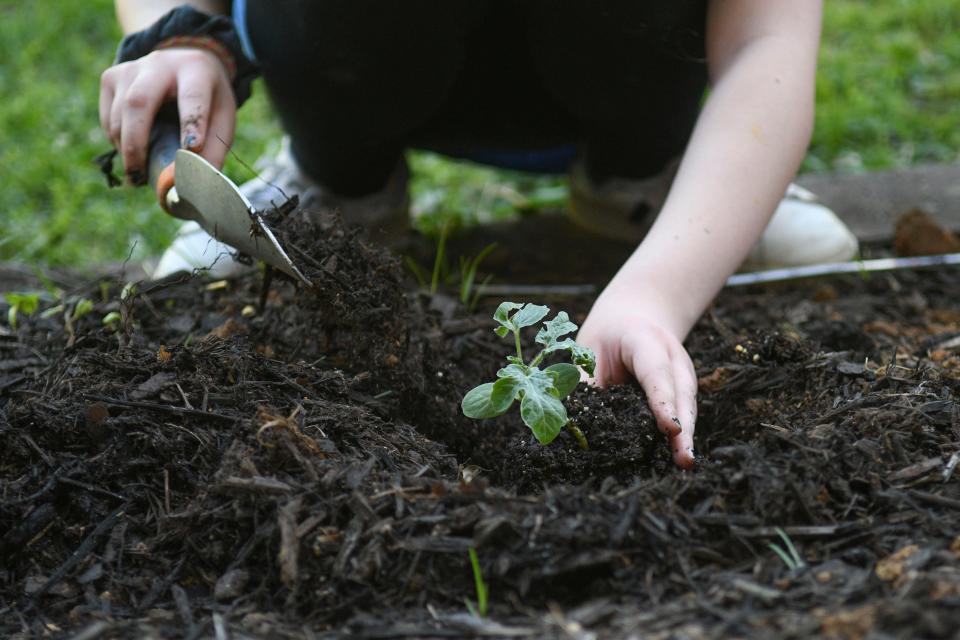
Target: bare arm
<point>746,147</point>
<point>748,142</point>
<point>135,15</point>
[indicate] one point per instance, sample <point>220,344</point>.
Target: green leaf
<point>583,357</point>
<point>530,315</point>
<point>110,318</point>
<point>514,370</point>
<point>82,308</point>
<point>554,329</point>
<point>502,316</point>
<point>476,404</point>
<point>539,381</point>
<point>580,355</point>
<point>566,377</point>
<point>505,391</point>
<point>543,413</point>
<point>26,302</point>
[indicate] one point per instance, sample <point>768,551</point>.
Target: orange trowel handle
<point>164,142</point>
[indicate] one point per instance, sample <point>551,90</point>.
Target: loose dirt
<point>231,460</point>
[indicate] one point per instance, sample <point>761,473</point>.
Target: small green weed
<point>481,587</point>
<point>20,303</point>
<point>788,553</point>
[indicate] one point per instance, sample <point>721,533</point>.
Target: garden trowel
<point>191,188</point>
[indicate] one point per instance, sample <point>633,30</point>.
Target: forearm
<point>135,15</point>
<point>748,142</point>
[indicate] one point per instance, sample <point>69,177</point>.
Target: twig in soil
<point>289,554</point>
<point>159,407</point>
<point>46,488</point>
<point>265,288</point>
<point>951,466</point>
<point>257,484</point>
<point>310,259</point>
<point>81,551</point>
<point>933,498</point>
<point>93,631</point>
<point>160,587</point>
<point>92,489</point>
<point>183,607</point>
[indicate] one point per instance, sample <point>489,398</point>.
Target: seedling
<point>469,294</point>
<point>481,587</point>
<point>25,303</point>
<point>443,273</point>
<point>790,556</point>
<point>540,391</point>
<point>111,319</point>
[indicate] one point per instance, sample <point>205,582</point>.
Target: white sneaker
<point>802,231</point>
<point>193,249</point>
<point>384,214</point>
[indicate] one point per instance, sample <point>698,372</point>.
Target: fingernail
<point>136,177</point>
<point>189,141</point>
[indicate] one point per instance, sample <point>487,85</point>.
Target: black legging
<point>357,81</point>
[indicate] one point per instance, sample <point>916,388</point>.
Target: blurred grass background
<point>888,91</point>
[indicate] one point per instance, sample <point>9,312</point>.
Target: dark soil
<point>231,461</point>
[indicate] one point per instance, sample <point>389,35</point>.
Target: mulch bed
<point>241,461</point>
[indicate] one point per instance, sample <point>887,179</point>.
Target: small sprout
<point>111,318</point>
<point>469,294</point>
<point>52,311</point>
<point>481,587</point>
<point>129,290</point>
<point>790,556</point>
<point>540,391</point>
<point>82,308</point>
<point>25,303</point>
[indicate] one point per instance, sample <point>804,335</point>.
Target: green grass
<point>889,84</point>
<point>887,97</point>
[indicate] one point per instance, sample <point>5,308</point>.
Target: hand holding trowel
<point>191,188</point>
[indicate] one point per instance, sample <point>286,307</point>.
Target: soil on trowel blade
<point>235,460</point>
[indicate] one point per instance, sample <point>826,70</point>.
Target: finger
<point>115,119</point>
<point>195,86</point>
<point>657,383</point>
<point>686,393</point>
<point>223,121</point>
<point>107,82</point>
<point>141,102</point>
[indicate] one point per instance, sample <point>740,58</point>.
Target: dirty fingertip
<point>684,457</point>
<point>670,425</point>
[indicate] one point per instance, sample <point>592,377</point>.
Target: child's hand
<point>629,339</point>
<point>132,92</point>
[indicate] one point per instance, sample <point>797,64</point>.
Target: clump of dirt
<point>295,464</point>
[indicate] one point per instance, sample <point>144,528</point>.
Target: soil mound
<point>249,460</point>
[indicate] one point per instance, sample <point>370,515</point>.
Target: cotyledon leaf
<point>476,404</point>
<point>566,378</point>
